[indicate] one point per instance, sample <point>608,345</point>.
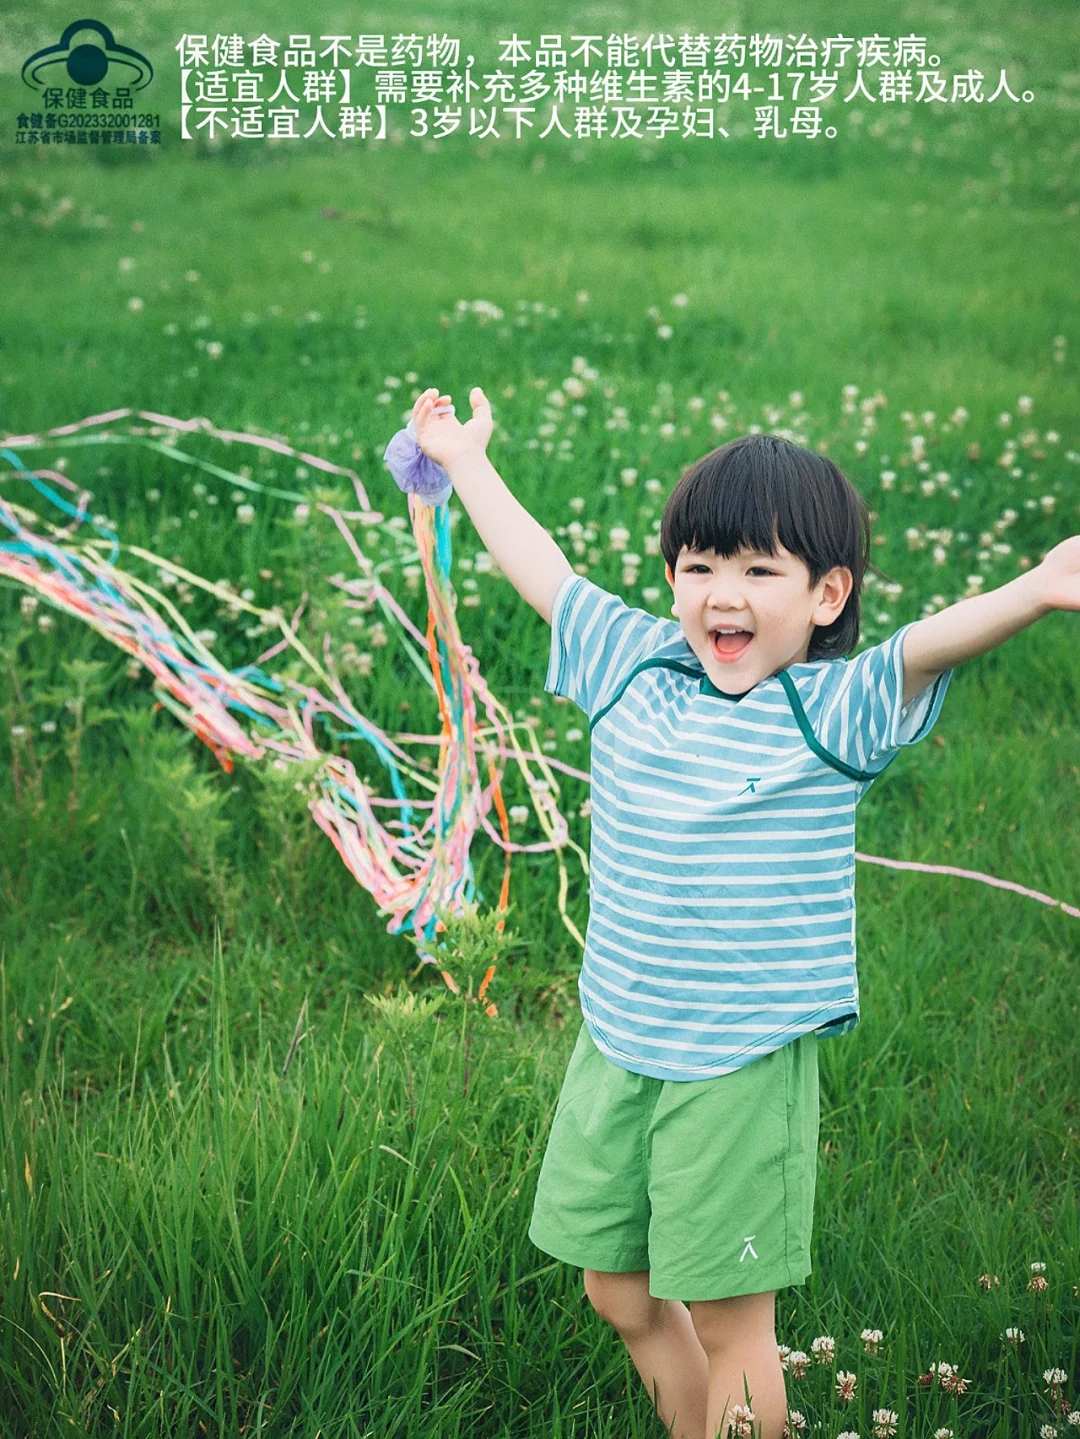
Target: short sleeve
<point>596,640</point>
<point>861,717</point>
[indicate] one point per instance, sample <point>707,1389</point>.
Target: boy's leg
<point>662,1342</point>
<point>739,1337</point>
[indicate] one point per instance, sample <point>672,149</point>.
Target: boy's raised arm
<point>521,547</point>
<point>982,622</point>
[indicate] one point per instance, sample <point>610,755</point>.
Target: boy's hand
<point>441,436</point>
<point>1060,576</point>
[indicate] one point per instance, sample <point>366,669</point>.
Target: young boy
<point>728,755</point>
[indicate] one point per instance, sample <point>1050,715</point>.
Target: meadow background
<point>236,1196</point>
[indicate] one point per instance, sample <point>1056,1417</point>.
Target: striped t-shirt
<point>722,886</point>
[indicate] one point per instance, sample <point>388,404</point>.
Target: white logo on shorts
<point>749,1247</point>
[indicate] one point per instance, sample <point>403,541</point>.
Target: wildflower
<point>783,1350</point>
<point>135,304</point>
<point>797,1421</point>
<point>577,504</point>
<point>301,513</point>
<point>45,622</point>
<point>798,1363</point>
<point>1073,1418</point>
<point>586,810</point>
<point>888,479</point>
<point>1014,1336</point>
<point>206,637</point>
<point>519,813</point>
<point>850,391</point>
<point>1048,1431</point>
<point>378,636</point>
<point>573,735</point>
<point>664,332</point>
<point>1046,504</point>
<point>1024,404</point>
<point>1037,1283</point>
<point>582,297</point>
<point>132,669</point>
<point>214,349</point>
<point>28,604</point>
<point>742,1420</point>
<point>952,1382</point>
<point>871,1339</point>
<point>667,431</point>
<point>680,301</point>
<point>795,399</point>
<point>986,1281</point>
<point>943,1434</point>
<point>845,1385</point>
<point>884,1423</point>
<point>17,731</point>
<point>848,1434</point>
<point>1004,419</point>
<point>245,514</point>
<point>628,476</point>
<point>48,727</point>
<point>1054,1377</point>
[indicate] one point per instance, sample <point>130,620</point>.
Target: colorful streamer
<point>422,870</point>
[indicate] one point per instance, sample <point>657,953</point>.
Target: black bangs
<point>759,490</point>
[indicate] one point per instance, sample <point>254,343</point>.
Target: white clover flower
<point>958,416</point>
<point>628,476</point>
<point>927,487</point>
<point>1024,404</point>
<point>17,731</point>
<point>519,813</point>
<point>214,349</point>
<point>1004,419</point>
<point>617,537</point>
<point>928,417</point>
<point>850,391</point>
<point>718,421</point>
<point>845,1385</point>
<point>1048,1431</point>
<point>1046,504</point>
<point>45,622</point>
<point>680,301</point>
<point>888,479</point>
<point>795,399</point>
<point>1073,1418</point>
<point>796,1420</point>
<point>245,514</point>
<point>28,604</point>
<point>135,304</point>
<point>1014,1336</point>
<point>943,1433</point>
<point>884,1423</point>
<point>871,1339</point>
<point>301,512</point>
<point>848,1434</point>
<point>798,1363</point>
<point>664,332</point>
<point>1055,1377</point>
<point>206,637</point>
<point>1051,437</point>
<point>667,431</point>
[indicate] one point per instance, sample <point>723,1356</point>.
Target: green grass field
<point>262,1173</point>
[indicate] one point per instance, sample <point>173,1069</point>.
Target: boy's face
<point>767,599</point>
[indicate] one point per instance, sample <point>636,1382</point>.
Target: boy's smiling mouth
<point>729,644</point>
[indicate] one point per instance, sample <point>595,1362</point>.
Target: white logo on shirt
<point>749,1247</point>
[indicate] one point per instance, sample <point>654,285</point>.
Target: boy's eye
<point>754,569</point>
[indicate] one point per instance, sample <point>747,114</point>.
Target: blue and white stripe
<point>721,897</point>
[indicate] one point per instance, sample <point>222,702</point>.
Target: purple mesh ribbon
<point>414,472</point>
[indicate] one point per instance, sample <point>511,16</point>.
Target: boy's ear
<point>671,581</point>
<point>834,590</point>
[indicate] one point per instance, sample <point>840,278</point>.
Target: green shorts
<point>708,1184</point>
